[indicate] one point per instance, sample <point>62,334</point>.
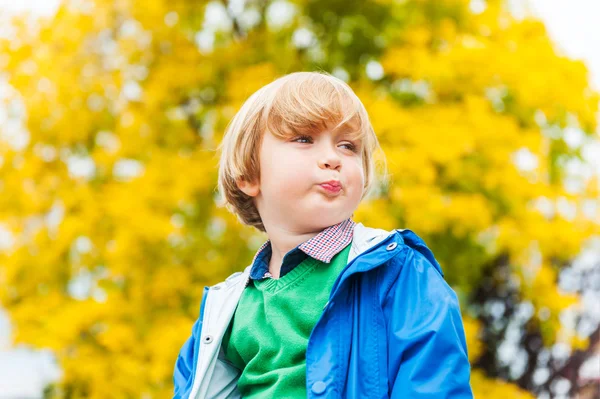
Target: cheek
<point>282,174</point>
<point>358,174</point>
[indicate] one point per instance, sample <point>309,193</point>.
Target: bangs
<point>310,106</point>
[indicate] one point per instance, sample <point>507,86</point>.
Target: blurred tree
<point>112,113</point>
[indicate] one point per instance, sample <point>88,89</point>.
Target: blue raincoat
<point>392,328</point>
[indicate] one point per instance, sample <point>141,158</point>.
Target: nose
<point>330,159</point>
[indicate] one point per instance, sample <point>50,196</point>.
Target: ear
<point>250,189</point>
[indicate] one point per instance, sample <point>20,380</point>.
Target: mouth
<point>332,186</point>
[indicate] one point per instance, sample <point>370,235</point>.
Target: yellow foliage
<point>111,202</point>
<point>539,286</point>
<point>487,388</point>
<point>474,345</point>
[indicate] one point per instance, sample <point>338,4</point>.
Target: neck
<point>282,241</point>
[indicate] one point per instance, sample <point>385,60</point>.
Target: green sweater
<point>269,333</point>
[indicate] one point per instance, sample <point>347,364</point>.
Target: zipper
<point>336,287</point>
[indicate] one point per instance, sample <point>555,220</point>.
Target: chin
<point>323,223</point>
<point>315,224</point>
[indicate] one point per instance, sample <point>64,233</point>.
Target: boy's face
<point>292,194</point>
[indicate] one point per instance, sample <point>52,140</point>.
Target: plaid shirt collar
<point>324,246</point>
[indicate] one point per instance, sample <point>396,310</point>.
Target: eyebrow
<point>350,134</point>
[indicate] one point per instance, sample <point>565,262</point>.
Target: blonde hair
<point>297,103</point>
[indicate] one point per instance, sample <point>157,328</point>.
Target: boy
<point>328,308</point>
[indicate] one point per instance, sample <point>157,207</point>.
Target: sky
<point>574,27</point>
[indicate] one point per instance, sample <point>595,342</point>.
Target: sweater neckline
<point>300,272</point>
<point>273,285</point>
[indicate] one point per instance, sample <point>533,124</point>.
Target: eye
<point>307,138</point>
<point>350,146</point>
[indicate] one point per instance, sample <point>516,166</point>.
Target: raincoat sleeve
<point>184,366</point>
<point>427,351</point>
